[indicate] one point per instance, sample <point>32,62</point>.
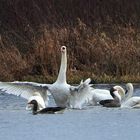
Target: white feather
<point>131,102</point>
<point>62,92</point>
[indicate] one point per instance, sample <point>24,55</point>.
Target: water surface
<point>94,123</point>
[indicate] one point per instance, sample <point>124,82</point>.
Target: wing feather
<point>80,94</point>
<point>24,89</point>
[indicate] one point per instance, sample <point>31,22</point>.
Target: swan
<point>34,105</point>
<point>64,94</point>
<point>102,94</point>
<point>115,102</point>
<point>131,102</point>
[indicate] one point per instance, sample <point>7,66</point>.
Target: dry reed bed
<point>102,39</point>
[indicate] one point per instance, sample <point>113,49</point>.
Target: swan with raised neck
<point>63,68</point>
<point>131,101</point>
<point>64,94</point>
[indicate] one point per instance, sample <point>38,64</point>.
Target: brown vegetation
<point>102,36</point>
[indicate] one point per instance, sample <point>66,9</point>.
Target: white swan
<point>64,94</point>
<point>115,102</point>
<point>61,91</point>
<point>131,102</point>
<point>102,94</point>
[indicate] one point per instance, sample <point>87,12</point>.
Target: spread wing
<point>24,89</point>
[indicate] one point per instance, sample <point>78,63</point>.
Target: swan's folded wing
<point>24,89</point>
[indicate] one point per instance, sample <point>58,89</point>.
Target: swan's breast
<point>61,94</point>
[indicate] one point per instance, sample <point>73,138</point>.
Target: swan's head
<point>115,94</point>
<point>63,49</point>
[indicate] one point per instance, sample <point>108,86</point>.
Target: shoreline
<point>94,79</point>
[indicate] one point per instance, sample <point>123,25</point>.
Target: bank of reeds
<point>102,43</point>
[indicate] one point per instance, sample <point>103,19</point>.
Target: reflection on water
<point>94,123</point>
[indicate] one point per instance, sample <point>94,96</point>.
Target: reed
<point>102,38</point>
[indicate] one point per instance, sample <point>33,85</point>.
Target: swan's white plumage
<point>63,93</point>
<point>60,90</point>
<point>131,102</point>
<point>116,93</point>
<point>102,94</point>
<point>121,91</point>
<point>80,94</point>
<point>23,89</point>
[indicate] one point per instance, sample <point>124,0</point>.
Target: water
<point>94,123</point>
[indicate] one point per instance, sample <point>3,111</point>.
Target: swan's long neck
<point>63,68</point>
<point>130,91</point>
<point>116,96</point>
<point>121,91</point>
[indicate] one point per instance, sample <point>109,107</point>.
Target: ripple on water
<point>90,123</point>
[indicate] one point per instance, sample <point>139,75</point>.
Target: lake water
<point>93,123</point>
